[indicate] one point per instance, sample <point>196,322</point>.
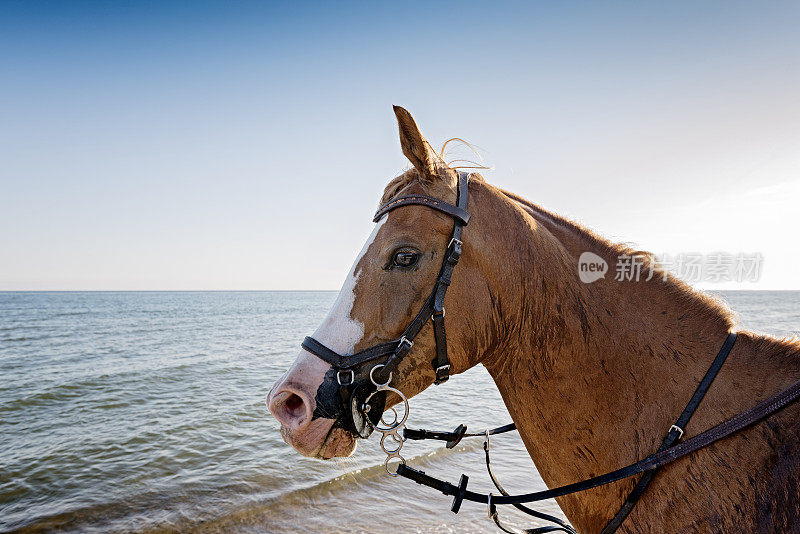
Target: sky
<point>237,145</point>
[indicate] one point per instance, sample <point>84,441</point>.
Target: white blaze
<point>339,331</point>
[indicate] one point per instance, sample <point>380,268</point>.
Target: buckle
<point>442,374</point>
<point>339,377</point>
<point>679,429</point>
<point>439,313</point>
<point>404,339</point>
<point>454,250</point>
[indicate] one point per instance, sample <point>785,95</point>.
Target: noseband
<point>363,378</point>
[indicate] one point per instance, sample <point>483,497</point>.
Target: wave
<point>292,510</point>
<point>217,509</point>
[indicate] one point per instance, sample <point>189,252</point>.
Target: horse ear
<point>417,149</point>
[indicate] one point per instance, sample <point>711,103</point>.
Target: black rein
<point>667,453</point>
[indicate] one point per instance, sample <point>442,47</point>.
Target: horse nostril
<point>291,408</point>
<point>294,406</point>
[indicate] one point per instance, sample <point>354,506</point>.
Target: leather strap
<point>558,524</point>
<point>441,364</point>
<point>514,530</point>
<point>731,426</point>
<point>675,434</point>
<point>346,362</point>
<point>452,438</point>
<point>456,212</point>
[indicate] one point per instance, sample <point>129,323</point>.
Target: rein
<point>655,461</point>
<point>363,382</point>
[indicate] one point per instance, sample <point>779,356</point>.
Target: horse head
<point>322,407</point>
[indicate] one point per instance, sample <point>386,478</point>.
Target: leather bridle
<point>363,381</point>
<point>360,406</point>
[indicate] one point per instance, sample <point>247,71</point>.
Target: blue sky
<point>195,145</point>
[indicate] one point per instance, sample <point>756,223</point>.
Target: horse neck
<point>592,374</point>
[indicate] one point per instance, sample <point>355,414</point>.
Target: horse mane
<point>398,184</point>
<point>691,298</point>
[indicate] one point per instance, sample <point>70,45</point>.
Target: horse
<point>592,374</point>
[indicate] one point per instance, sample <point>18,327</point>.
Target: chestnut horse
<point>593,374</point>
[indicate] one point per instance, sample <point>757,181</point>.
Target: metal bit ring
<point>393,428</point>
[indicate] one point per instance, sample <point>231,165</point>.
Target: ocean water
<point>144,412</point>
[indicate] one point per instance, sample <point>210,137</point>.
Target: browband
<point>423,200</point>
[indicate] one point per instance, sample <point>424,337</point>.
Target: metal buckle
<point>441,378</point>
<point>454,251</point>
<point>439,314</point>
<point>679,429</point>
<point>404,339</point>
<point>339,377</point>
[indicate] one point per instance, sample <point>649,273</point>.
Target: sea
<point>145,412</point>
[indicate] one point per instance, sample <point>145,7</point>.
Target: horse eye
<point>405,258</point>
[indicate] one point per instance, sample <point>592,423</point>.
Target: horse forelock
<point>411,177</point>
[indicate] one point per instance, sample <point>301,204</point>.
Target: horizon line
<point>276,290</point>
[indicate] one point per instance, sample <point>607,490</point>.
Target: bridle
<point>363,378</point>
<point>363,381</point>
